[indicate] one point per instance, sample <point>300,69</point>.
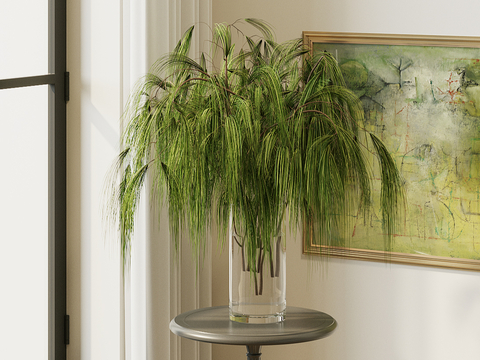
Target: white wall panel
<point>94,274</point>
<point>110,45</point>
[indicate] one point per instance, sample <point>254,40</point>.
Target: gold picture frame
<point>422,95</point>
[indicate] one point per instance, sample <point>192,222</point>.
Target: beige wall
<point>383,311</point>
<point>290,18</point>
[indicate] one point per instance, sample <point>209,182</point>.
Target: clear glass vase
<point>257,292</point>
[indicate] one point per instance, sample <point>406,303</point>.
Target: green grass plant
<point>264,129</point>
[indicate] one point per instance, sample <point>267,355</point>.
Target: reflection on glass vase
<point>257,291</point>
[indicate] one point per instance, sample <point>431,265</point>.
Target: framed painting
<point>421,96</point>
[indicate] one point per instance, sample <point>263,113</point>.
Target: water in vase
<point>257,290</point>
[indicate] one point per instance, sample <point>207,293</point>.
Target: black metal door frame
<point>57,79</point>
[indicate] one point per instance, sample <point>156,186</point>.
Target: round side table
<point>213,325</point>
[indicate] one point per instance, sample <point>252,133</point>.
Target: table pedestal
<point>253,352</point>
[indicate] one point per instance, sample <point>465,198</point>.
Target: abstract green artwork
<point>421,96</point>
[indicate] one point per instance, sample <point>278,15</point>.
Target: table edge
<point>280,339</point>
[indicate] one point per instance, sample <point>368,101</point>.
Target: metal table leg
<point>253,352</point>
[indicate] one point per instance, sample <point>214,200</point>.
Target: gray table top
<point>213,325</point>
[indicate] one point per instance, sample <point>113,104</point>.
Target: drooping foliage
<point>266,128</point>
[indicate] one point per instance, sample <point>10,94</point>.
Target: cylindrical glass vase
<point>257,292</point>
